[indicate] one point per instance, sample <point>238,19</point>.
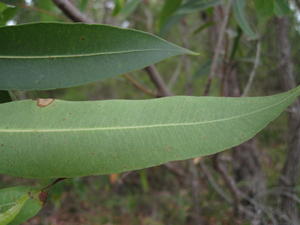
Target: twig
<point>157,80</point>
<point>71,11</point>
<point>218,49</point>
<point>253,72</point>
<point>238,195</point>
<point>212,182</point>
<point>175,75</point>
<point>139,86</point>
<point>53,183</point>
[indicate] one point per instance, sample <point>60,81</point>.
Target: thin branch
<point>139,86</point>
<point>157,80</point>
<point>175,75</point>
<point>218,49</point>
<point>71,11</point>
<point>53,183</point>
<point>253,72</point>
<point>213,183</point>
<point>236,193</point>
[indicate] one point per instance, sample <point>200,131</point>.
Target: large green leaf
<point>69,139</point>
<point>18,204</point>
<point>56,55</point>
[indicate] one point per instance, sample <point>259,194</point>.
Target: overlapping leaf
<point>241,18</point>
<point>18,204</point>
<point>69,139</point>
<point>55,55</point>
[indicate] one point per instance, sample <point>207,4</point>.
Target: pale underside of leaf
<point>68,139</point>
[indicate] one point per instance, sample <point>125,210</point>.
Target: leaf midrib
<point>141,126</point>
<point>86,54</point>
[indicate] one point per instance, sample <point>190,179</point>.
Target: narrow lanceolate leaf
<point>241,18</point>
<point>55,55</point>
<point>69,139</point>
<point>182,10</point>
<point>170,6</point>
<point>196,5</point>
<point>18,204</point>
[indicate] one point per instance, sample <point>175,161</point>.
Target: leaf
<point>281,7</point>
<point>265,8</point>
<point>18,204</point>
<point>45,9</point>
<point>187,8</point>
<point>42,56</point>
<point>196,5</point>
<point>170,6</point>
<point>6,13</point>
<point>83,4</point>
<point>119,4</point>
<point>70,139</point>
<point>240,17</point>
<point>203,69</point>
<point>129,7</point>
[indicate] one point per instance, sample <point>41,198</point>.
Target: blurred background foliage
<point>247,47</point>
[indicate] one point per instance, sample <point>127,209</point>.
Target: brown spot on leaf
<point>82,38</point>
<point>43,102</point>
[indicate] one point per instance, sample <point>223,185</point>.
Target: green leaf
<point>203,69</point>
<point>69,139</point>
<point>18,204</point>
<point>55,55</point>
<point>119,4</point>
<point>6,13</point>
<point>129,7</point>
<point>265,8</point>
<point>241,18</point>
<point>170,6</point>
<point>45,8</point>
<point>187,8</point>
<point>281,7</point>
<point>2,7</point>
<point>196,5</point>
<point>83,4</point>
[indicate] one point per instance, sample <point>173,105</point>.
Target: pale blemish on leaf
<point>43,102</point>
